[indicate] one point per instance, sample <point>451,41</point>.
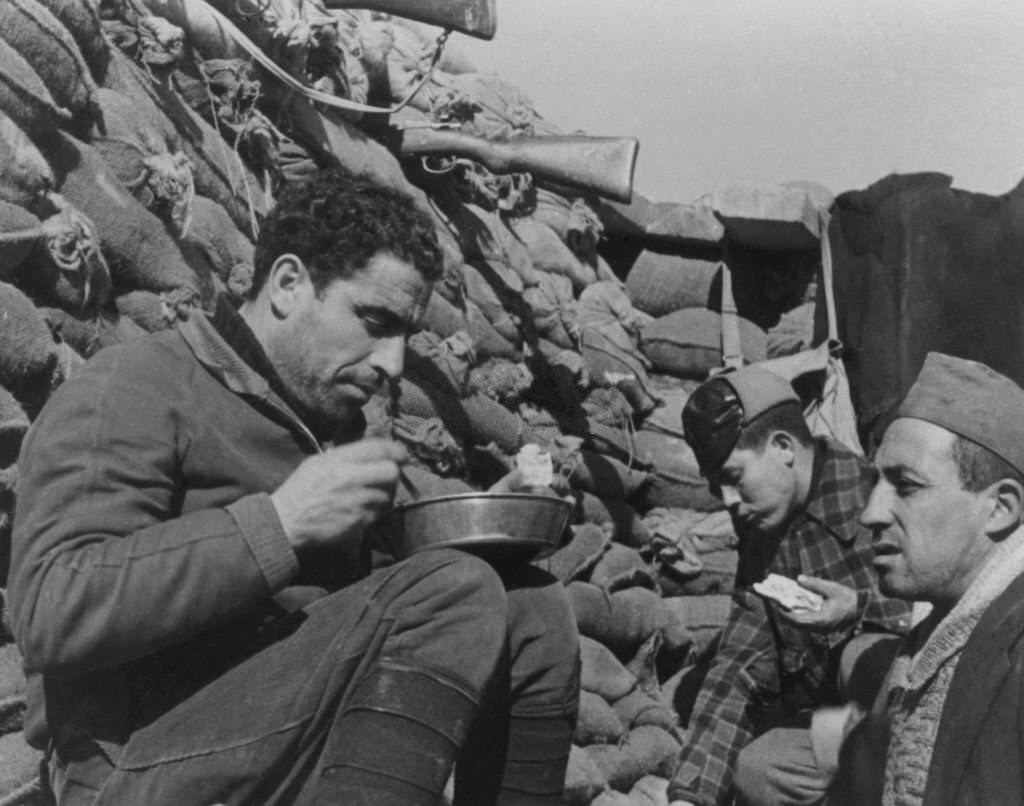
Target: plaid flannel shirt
<point>760,658</point>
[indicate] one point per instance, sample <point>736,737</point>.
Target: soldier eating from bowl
<point>180,501</point>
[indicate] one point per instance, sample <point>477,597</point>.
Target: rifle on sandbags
<point>601,165</point>
<point>473,17</point>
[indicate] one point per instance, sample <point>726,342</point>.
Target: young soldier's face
<point>759,487</point>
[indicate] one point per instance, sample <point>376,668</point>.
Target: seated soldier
<point>192,505</point>
<point>794,501</point>
<point>948,515</point>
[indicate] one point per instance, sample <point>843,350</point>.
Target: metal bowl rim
<point>409,505</point>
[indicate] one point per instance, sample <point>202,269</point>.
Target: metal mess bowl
<point>493,525</point>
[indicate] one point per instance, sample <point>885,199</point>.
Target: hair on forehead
<point>337,222</point>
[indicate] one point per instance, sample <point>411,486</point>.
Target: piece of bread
<point>788,593</point>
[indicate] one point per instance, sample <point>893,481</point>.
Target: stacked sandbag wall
<point>140,152</point>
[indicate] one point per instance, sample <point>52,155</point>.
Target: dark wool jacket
<point>978,758</point>
<point>145,540</point>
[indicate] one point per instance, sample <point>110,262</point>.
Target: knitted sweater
<point>921,674</point>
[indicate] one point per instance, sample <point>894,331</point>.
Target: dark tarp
<point>920,266</point>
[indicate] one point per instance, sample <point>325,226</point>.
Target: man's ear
<point>1007,498</point>
<point>287,281</point>
<point>783,442</point>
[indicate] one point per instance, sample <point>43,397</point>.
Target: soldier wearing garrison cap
<point>795,502</point>
<point>948,726</point>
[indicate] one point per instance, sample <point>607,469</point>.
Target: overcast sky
<point>841,92</point>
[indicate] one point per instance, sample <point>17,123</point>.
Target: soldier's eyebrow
<point>900,471</point>
<point>384,316</point>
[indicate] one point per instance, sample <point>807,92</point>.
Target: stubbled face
<point>929,531</point>
<point>335,351</point>
<point>759,488</point>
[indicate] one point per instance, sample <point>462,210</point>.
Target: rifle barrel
<point>476,18</point>
<point>602,165</point>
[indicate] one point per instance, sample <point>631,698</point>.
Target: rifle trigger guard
<point>262,6</point>
<point>432,164</point>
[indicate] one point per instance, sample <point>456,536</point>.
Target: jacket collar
<point>982,670</point>
<point>217,356</point>
<point>837,490</point>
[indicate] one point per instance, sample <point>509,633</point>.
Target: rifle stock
<point>602,165</point>
<point>473,17</point>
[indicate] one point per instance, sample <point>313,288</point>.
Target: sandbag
<point>44,42</point>
<point>583,779</point>
<point>484,235</point>
<point>501,380</point>
<point>443,318</point>
<point>140,252</point>
<point>444,363</point>
<point>432,446</point>
<point>601,672</point>
<point>499,108</point>
<point>19,231</point>
<point>161,180</point>
<point>642,708</point>
<point>607,477</point>
<point>703,616</point>
<point>676,480</point>
<point>489,343</point>
<point>629,528</point>
<point>549,253</point>
<point>612,798</point>
<point>554,309</point>
<point>421,482</point>
<point>489,293</point>
<point>217,245</point>
<point>597,722</point>
<point>153,312</point>
<point>28,353</point>
<point>579,556</point>
<point>24,97</point>
<point>575,221</point>
<point>651,790</point>
<point>646,749</point>
<point>87,335</point>
<point>217,169</point>
<point>14,423</point>
<point>622,567</point>
<point>82,20</point>
<point>25,175</point>
<point>489,421</point>
<point>688,343</point>
<point>662,282</point>
<point>623,620</point>
<point>607,324</point>
<point>68,268</point>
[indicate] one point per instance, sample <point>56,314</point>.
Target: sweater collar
<point>939,639</point>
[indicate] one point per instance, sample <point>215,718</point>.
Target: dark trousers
<point>779,768</point>
<point>437,650</point>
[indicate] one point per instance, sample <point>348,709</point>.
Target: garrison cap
<point>721,407</point>
<point>972,400</point>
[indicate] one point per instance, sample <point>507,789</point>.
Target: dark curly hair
<point>337,221</point>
